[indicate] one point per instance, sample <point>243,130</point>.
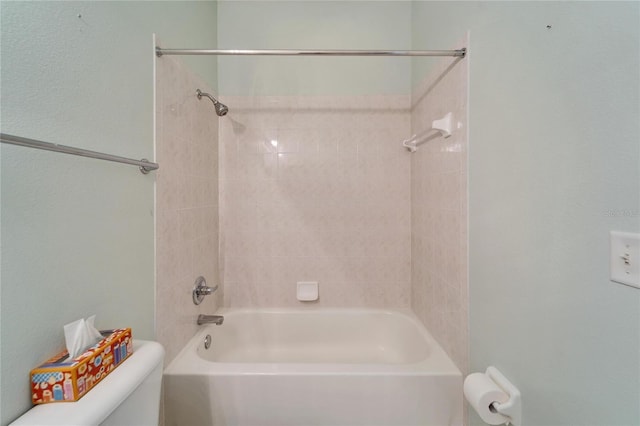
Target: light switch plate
<point>625,258</point>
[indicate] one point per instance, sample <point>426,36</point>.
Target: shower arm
<point>200,94</point>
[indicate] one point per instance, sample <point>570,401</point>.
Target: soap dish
<point>307,291</point>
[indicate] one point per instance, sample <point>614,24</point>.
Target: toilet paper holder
<point>513,407</point>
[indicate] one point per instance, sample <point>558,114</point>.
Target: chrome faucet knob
<point>201,290</point>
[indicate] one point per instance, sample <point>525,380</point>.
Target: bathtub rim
<point>188,362</point>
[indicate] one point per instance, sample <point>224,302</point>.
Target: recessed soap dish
<point>307,291</point>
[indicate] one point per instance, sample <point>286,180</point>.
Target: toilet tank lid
<point>105,397</point>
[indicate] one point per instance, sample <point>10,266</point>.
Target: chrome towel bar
<point>144,165</point>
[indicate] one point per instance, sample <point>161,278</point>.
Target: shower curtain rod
<point>290,52</point>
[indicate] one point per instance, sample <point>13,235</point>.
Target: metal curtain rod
<point>145,166</point>
<point>290,52</point>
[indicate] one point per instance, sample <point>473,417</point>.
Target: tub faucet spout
<point>210,319</point>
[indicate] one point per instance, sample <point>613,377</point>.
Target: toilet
<point>130,395</point>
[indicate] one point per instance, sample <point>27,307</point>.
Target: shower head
<point>221,109</point>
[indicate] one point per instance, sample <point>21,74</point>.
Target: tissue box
<point>61,379</point>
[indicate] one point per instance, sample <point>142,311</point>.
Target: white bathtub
<point>313,367</point>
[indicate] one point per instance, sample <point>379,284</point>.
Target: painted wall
<point>314,25</point>
<point>554,165</point>
<point>77,233</point>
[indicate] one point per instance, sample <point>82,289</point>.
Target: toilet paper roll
<point>481,391</point>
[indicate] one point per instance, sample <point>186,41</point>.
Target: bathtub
<point>313,367</point>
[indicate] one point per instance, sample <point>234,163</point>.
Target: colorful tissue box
<point>61,379</point>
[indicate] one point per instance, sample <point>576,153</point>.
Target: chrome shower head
<point>221,109</point>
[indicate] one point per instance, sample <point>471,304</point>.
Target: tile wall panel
<point>439,210</point>
<point>316,189</point>
<point>186,202</point>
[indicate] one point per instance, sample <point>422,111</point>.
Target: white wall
<point>186,203</point>
<point>336,151</point>
<point>554,166</point>
<point>77,232</point>
<point>314,25</point>
<point>327,201</point>
<point>439,237</point>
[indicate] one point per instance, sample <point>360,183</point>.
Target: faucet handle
<point>200,290</point>
<point>204,290</point>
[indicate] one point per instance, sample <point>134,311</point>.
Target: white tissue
<point>80,335</point>
<point>481,392</point>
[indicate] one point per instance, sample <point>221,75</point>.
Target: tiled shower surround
<point>186,203</point>
<point>439,210</point>
<point>316,189</point>
<point>313,189</point>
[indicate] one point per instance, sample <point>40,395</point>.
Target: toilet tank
<point>130,395</point>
